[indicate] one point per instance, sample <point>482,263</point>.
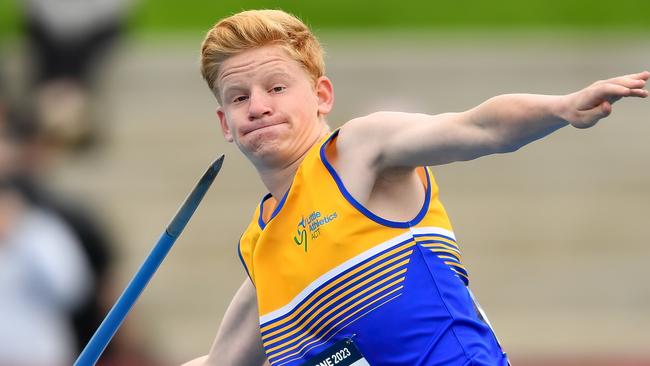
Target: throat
<point>278,181</point>
<point>278,178</point>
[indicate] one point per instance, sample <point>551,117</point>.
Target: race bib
<point>342,353</point>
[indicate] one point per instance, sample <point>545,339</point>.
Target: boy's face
<point>270,105</point>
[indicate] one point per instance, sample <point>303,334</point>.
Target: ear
<point>325,95</point>
<point>227,134</point>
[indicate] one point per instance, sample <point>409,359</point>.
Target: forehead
<point>257,60</point>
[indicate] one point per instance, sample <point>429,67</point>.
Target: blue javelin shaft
<point>115,317</point>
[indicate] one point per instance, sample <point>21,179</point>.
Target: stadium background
<point>555,236</point>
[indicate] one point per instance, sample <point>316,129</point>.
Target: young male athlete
<point>351,258</point>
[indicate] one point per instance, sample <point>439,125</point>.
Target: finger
<point>627,82</point>
<point>605,109</point>
<point>602,92</point>
<point>644,75</point>
<point>626,79</point>
<point>590,117</point>
<point>640,93</point>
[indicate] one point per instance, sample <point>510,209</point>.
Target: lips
<point>258,126</point>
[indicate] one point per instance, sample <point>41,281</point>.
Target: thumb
<point>592,116</point>
<point>606,109</point>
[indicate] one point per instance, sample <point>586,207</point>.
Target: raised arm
<point>501,124</point>
<point>238,341</point>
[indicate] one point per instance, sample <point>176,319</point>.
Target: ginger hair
<point>258,28</point>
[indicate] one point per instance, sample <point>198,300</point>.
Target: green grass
<point>201,14</point>
<point>9,19</point>
<point>165,16</point>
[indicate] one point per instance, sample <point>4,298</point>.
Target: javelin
<point>115,317</point>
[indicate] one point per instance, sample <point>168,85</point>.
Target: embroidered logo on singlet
<point>309,228</point>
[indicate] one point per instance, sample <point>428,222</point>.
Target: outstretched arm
<point>501,124</point>
<point>238,341</point>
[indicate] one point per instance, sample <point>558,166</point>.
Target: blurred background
<point>105,125</point>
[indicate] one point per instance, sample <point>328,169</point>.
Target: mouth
<point>263,126</point>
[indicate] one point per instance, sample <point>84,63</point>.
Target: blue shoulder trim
<point>260,220</point>
<point>361,208</point>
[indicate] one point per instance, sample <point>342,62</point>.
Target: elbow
<point>499,144</point>
<point>512,143</point>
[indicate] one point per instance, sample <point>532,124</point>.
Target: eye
<point>239,99</point>
<point>278,89</point>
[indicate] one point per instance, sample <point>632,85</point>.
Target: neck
<point>278,179</point>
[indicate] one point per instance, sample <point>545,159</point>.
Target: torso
<point>328,265</point>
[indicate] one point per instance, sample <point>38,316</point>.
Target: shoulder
<point>360,145</point>
<point>374,133</point>
<point>364,129</point>
<point>364,141</point>
<point>358,139</point>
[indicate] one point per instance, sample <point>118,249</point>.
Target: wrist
<point>561,108</point>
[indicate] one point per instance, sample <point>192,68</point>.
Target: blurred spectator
<point>44,275</point>
<point>36,153</point>
<point>68,38</point>
<point>32,150</point>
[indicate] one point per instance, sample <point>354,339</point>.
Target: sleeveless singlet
<point>325,268</point>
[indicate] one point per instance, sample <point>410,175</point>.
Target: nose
<point>259,105</point>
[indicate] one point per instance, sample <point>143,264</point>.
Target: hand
<point>586,107</point>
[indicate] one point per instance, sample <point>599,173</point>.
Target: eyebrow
<point>235,86</point>
<point>228,90</point>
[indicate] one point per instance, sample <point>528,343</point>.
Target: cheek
<point>307,104</point>
<point>233,118</point>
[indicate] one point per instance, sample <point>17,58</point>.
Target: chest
<point>308,242</point>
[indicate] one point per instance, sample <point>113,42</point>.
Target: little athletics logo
<point>311,224</point>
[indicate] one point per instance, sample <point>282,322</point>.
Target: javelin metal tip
<point>217,163</point>
<point>184,213</point>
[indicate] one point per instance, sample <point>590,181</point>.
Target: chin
<point>265,151</point>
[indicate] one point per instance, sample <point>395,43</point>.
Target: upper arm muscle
<point>390,140</point>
